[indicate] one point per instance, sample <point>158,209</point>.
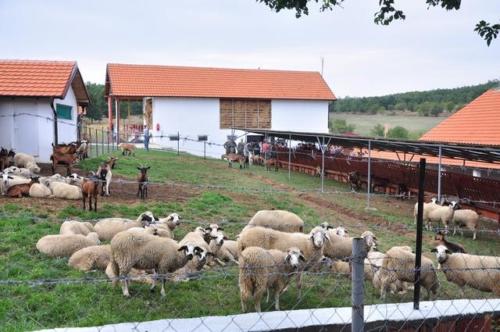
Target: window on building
<point>63,111</point>
<point>245,113</point>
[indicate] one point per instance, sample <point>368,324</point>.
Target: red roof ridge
<point>213,68</point>
<point>23,61</point>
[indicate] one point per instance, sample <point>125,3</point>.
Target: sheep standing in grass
<point>91,258</point>
<point>197,238</point>
<point>263,270</point>
<point>279,220</point>
<point>466,217</point>
<point>479,272</point>
<point>399,265</point>
<point>340,247</point>
<point>148,252</point>
<point>442,214</point>
<point>427,208</point>
<point>76,227</point>
<point>65,245</point>
<point>65,191</point>
<point>109,227</point>
<point>27,161</point>
<point>311,245</point>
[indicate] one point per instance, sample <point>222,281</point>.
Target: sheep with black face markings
<point>143,251</point>
<point>109,227</point>
<point>263,270</point>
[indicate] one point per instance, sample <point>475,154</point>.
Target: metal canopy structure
<point>470,152</point>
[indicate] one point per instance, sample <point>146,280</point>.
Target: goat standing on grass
<point>90,189</point>
<point>104,175</point>
<point>142,178</point>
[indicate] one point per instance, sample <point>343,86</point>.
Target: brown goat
<point>270,163</point>
<point>112,162</point>
<point>62,159</point>
<point>142,178</point>
<point>127,148</point>
<point>90,189</point>
<point>65,148</point>
<point>20,190</point>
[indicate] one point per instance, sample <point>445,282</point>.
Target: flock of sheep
<point>270,250</point>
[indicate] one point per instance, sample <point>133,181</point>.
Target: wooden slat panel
<point>245,113</point>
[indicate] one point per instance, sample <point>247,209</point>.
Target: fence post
<point>439,174</point>
<point>323,165</point>
<point>102,140</point>
<point>418,249</point>
<point>96,144</point>
<point>204,149</point>
<point>369,182</point>
<point>358,290</point>
<point>178,141</point>
<point>289,156</point>
<point>107,134</point>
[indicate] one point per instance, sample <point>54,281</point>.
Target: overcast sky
<point>432,48</point>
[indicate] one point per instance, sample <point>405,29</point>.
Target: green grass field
<point>71,298</point>
<point>417,125</point>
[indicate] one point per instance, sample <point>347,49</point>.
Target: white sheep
<point>399,265</point>
<point>339,230</point>
<point>340,247</point>
<point>223,250</point>
<point>428,207</point>
<point>109,227</point>
<point>479,272</point>
<point>311,245</point>
<point>65,191</point>
<point>9,180</point>
<point>91,258</point>
<point>143,251</point>
<point>26,160</point>
<point>197,238</point>
<point>442,214</point>
<point>264,270</point>
<point>466,217</point>
<point>47,180</point>
<point>38,190</point>
<point>65,245</point>
<point>19,171</point>
<point>76,227</point>
<point>279,220</point>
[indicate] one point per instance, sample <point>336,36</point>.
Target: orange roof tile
<point>478,123</point>
<point>35,78</point>
<point>124,80</point>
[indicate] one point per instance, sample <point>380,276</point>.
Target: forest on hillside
<point>425,103</point>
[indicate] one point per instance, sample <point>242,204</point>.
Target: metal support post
<point>418,249</point>
<point>178,139</point>
<point>357,294</point>
<point>439,174</point>
<point>204,149</point>
<point>289,157</point>
<point>369,182</point>
<point>323,165</point>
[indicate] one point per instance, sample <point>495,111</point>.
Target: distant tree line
<point>98,107</point>
<point>426,103</point>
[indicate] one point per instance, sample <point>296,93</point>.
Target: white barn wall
<point>6,123</point>
<point>67,130</point>
<point>190,117</point>
<point>300,115</point>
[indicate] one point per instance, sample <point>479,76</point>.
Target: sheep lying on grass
<point>76,227</point>
<point>91,258</point>
<point>27,161</point>
<point>399,265</point>
<point>148,252</point>
<point>223,250</point>
<point>279,220</point>
<point>39,190</point>
<point>109,227</point>
<point>263,270</point>
<point>479,272</point>
<point>135,275</point>
<point>468,218</point>
<point>65,245</point>
<point>65,191</point>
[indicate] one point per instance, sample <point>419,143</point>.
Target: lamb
<point>65,245</point>
<point>145,251</point>
<point>65,191</point>
<point>443,214</point>
<point>163,227</point>
<point>27,161</point>
<point>399,265</point>
<point>466,217</point>
<point>311,245</point>
<point>453,247</point>
<point>279,220</point>
<point>127,148</point>
<point>479,272</point>
<point>262,270</point>
<point>428,207</point>
<point>76,227</point>
<point>39,190</point>
<point>90,189</point>
<point>91,258</point>
<point>109,227</point>
<point>222,251</point>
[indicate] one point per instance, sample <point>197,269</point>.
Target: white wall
<point>300,115</point>
<point>191,117</point>
<point>67,130</point>
<point>6,123</point>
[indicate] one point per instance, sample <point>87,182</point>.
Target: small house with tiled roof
<point>195,101</point>
<point>40,104</point>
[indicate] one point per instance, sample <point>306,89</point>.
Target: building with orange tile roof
<point>196,101</point>
<point>40,102</point>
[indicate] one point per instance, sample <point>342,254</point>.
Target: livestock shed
<point>40,104</point>
<point>193,101</point>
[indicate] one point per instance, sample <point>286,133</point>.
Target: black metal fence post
<point>358,286</point>
<point>418,249</point>
<point>178,141</point>
<point>96,144</point>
